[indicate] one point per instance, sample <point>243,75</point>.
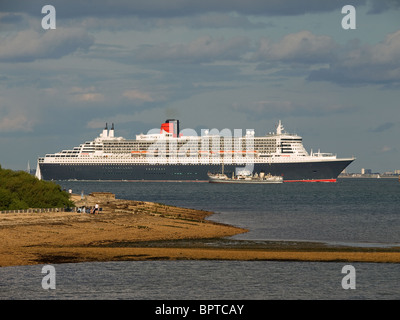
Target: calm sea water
<point>360,212</point>
<point>351,210</point>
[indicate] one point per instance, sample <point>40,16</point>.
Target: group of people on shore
<point>91,210</point>
<point>85,209</point>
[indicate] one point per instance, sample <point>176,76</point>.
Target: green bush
<point>20,190</point>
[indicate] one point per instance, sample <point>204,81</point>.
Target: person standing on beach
<point>96,209</point>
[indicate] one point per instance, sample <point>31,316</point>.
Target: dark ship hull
<point>315,171</point>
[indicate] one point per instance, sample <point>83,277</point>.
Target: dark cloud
<point>200,50</point>
<point>283,108</point>
<point>320,58</point>
<point>364,64</point>
<point>208,20</point>
<point>301,47</point>
<point>30,45</point>
<point>379,6</point>
<point>160,56</point>
<point>174,8</point>
<point>11,18</point>
<point>383,127</point>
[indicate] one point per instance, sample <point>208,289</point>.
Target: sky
<point>236,64</point>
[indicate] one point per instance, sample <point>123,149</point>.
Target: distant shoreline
<point>367,176</point>
<point>127,230</point>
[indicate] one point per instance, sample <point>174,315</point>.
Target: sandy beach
<point>135,230</point>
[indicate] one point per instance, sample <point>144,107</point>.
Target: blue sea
<point>356,212</point>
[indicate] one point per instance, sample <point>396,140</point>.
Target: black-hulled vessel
<point>171,155</point>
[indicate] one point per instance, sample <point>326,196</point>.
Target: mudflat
<point>127,230</point>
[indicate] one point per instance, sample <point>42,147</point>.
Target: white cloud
<point>86,94</point>
<point>386,149</point>
<point>137,95</point>
<point>15,122</point>
<point>90,97</point>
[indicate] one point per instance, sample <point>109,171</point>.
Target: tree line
<point>21,190</point>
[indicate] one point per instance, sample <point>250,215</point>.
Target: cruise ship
<point>174,155</point>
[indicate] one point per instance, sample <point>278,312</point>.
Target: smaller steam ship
<point>245,177</point>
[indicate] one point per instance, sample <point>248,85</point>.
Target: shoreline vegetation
<point>20,190</point>
<point>128,230</point>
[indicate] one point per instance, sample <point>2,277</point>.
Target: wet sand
<point>128,230</point>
